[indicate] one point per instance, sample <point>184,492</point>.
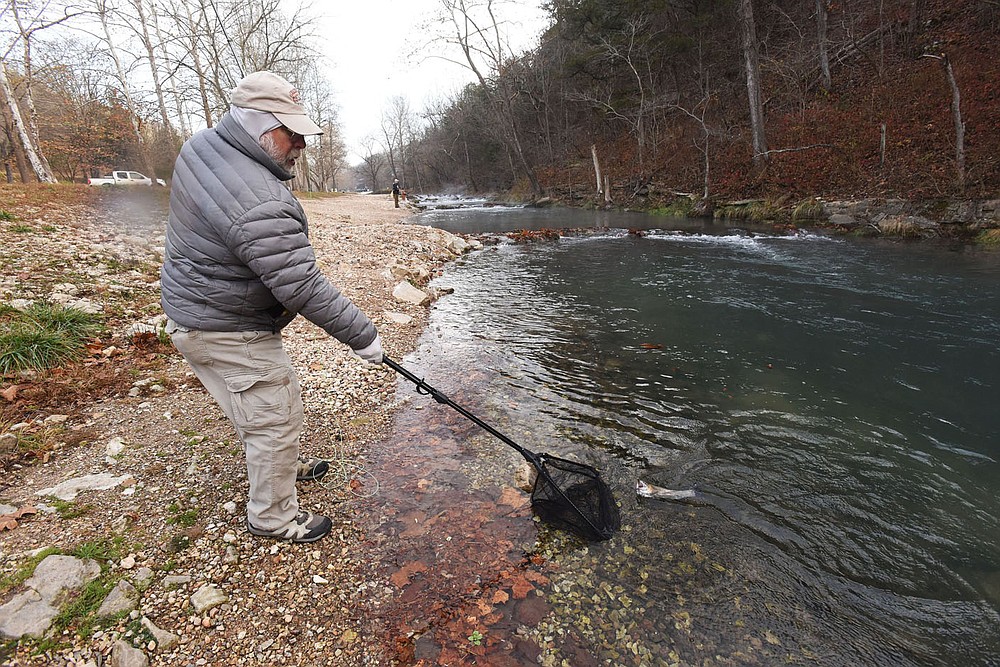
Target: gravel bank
<point>181,514</point>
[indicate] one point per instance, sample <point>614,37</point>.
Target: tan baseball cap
<point>266,91</point>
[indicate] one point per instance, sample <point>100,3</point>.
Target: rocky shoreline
<point>139,499</point>
<point>900,217</point>
<point>145,513</point>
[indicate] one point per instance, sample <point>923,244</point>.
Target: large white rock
<point>31,612</point>
<point>396,318</point>
<point>407,293</point>
<point>125,655</point>
<point>123,597</point>
<point>71,487</point>
<point>207,597</point>
<point>165,640</point>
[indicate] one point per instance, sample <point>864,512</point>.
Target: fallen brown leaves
<point>10,521</point>
<point>402,576</point>
<point>530,235</point>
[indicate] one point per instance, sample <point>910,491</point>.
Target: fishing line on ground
<point>344,470</point>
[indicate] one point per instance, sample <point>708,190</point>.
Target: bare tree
<point>628,54</point>
<point>25,126</point>
<point>104,11</point>
<point>479,34</point>
<point>396,129</point>
<point>374,161</point>
<point>327,154</point>
<point>329,158</point>
<point>171,74</point>
<point>141,28</point>
<point>31,154</point>
<point>196,23</point>
<point>751,61</point>
<point>822,43</point>
<point>956,113</point>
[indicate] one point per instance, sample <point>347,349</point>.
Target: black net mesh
<point>573,496</point>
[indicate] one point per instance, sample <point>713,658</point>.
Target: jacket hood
<point>233,133</point>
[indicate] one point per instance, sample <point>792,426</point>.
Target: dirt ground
<point>181,511</point>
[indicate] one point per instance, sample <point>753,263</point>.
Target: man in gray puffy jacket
<point>237,268</point>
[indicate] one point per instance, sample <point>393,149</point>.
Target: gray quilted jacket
<point>237,255</point>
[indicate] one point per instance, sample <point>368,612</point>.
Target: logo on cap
<point>294,94</point>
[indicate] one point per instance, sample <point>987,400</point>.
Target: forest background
<point>626,102</point>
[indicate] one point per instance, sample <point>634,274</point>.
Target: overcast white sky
<point>368,43</point>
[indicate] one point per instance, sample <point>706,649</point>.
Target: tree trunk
<point>171,81</point>
<point>193,27</point>
<point>704,194</point>
<point>597,167</point>
<point>302,172</point>
<point>881,146</point>
<point>143,31</point>
<point>102,10</point>
<point>751,60</point>
<point>824,56</point>
<point>956,113</point>
<point>29,101</point>
<point>19,160</point>
<point>21,131</point>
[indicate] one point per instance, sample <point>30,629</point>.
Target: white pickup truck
<point>126,178</point>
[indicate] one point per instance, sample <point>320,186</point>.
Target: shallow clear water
<point>832,402</point>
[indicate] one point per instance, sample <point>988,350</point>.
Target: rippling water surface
<point>833,403</point>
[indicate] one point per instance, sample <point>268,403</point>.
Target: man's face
<point>283,145</point>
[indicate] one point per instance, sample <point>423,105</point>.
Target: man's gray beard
<point>267,142</point>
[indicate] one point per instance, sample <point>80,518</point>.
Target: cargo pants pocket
<point>261,400</point>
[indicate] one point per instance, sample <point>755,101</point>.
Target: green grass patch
<point>807,209</point>
<point>67,509</point>
<point>43,336</point>
<point>100,550</point>
<point>137,633</point>
<point>25,570</point>
<point>678,208</point>
<point>22,229</point>
<point>752,211</point>
<point>184,519</point>
<point>80,614</point>
<point>7,216</point>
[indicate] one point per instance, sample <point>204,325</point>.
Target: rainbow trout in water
<point>647,490</point>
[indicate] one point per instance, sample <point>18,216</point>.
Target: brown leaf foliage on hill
<point>659,89</point>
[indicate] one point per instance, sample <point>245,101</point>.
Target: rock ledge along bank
<point>181,582</point>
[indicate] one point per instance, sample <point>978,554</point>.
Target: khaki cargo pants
<point>252,379</point>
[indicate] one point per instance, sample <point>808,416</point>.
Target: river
<point>832,403</point>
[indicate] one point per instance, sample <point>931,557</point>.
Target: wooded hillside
<point>856,98</point>
<point>621,100</point>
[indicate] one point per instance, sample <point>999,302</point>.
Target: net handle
<point>424,388</point>
<point>537,460</point>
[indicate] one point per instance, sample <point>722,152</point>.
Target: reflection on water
<point>504,218</point>
<point>832,403</point>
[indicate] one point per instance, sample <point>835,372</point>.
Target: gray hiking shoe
<point>305,527</point>
<point>311,470</point>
